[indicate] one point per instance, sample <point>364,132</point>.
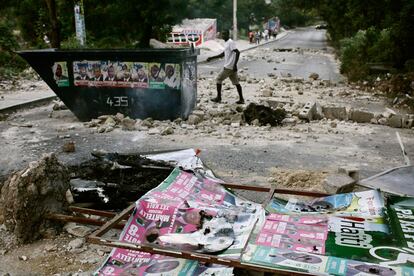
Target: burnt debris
<point>112,180</point>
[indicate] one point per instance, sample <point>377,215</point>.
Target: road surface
<point>301,52</point>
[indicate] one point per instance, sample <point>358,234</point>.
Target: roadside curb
<point>25,104</point>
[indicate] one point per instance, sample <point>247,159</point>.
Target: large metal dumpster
<point>156,83</point>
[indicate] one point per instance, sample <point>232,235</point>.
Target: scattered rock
<point>50,247</point>
<point>314,76</point>
<point>76,243</point>
<point>110,122</point>
<point>69,147</point>
<point>193,119</point>
<point>167,131</point>
<point>23,258</point>
<point>77,230</point>
<point>289,121</point>
<point>119,117</point>
<point>154,131</point>
<point>148,122</point>
<point>128,124</point>
<point>267,93</point>
<point>383,121</point>
<point>59,105</point>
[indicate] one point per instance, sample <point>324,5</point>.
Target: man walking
<point>231,56</point>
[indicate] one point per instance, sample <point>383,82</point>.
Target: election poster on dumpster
<point>186,212</point>
<point>346,234</point>
<point>126,74</point>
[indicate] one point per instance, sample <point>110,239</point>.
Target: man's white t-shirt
<point>229,55</point>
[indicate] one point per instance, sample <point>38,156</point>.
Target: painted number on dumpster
<point>117,101</point>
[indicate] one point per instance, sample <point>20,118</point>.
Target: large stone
<point>360,116</point>
<point>308,111</point>
<point>335,112</point>
<point>338,183</point>
<point>395,121</point>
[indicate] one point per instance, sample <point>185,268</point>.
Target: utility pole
<point>234,19</point>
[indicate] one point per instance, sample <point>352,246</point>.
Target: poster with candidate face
<point>172,76</point>
<point>156,76</point>
<point>60,74</point>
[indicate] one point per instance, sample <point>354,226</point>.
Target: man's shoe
<point>240,102</point>
<point>216,100</point>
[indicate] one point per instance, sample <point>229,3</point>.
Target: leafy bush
<point>10,62</point>
<point>353,56</point>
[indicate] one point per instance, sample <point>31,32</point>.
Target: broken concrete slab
<point>350,171</point>
<point>338,183</point>
<point>335,112</point>
<point>308,111</point>
<point>30,194</point>
<point>395,121</point>
<point>360,116</point>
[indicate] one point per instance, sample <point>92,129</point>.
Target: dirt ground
<point>304,151</point>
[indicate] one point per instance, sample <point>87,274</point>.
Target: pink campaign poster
<point>292,235</point>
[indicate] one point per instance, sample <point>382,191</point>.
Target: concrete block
<point>395,121</point>
<point>335,112</point>
<point>360,116</point>
<point>308,111</point>
<point>350,171</point>
<point>407,123</point>
<point>338,183</point>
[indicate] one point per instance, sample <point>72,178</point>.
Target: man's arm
<point>237,59</point>
<point>217,56</point>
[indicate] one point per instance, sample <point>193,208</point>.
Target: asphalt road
<point>301,52</point>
